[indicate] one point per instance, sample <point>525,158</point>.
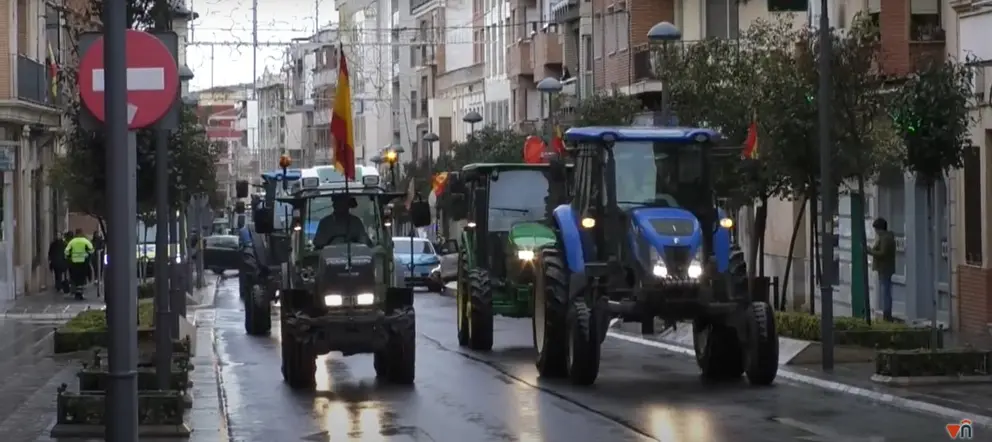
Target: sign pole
<point>163,311</point>
<point>122,308</point>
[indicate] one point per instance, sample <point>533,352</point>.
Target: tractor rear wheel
<point>480,311</point>
<point>461,299</point>
<point>258,312</point>
<point>549,320</point>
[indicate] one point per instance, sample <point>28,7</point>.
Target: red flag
<point>558,142</point>
<point>751,144</point>
<point>534,150</point>
<point>342,124</point>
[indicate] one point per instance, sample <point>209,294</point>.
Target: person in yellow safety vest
<point>77,251</point>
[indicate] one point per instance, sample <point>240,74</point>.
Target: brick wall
<point>893,26</point>
<point>974,308</point>
<point>643,14</point>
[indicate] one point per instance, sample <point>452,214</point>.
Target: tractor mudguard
<point>568,226</point>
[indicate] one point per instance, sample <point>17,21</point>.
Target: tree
<point>931,115</point>
<point>606,110</point>
<point>80,174</point>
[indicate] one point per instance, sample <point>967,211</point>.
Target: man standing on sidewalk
<point>884,263</point>
<point>78,251</point>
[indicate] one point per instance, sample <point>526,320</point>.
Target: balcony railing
<point>547,50</point>
<point>34,83</point>
<point>423,108</point>
<point>518,57</point>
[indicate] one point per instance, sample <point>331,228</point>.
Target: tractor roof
<point>489,167</point>
<point>686,135</point>
<point>288,175</point>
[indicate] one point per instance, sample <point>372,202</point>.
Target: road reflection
<point>669,424</point>
<point>349,421</point>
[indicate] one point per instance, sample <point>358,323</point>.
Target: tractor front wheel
<point>480,311</point>
<point>461,299</point>
<point>762,344</point>
<point>718,350</point>
<point>549,320</point>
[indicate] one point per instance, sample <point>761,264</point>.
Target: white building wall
<point>457,35</point>
<point>496,109</point>
<point>403,122</point>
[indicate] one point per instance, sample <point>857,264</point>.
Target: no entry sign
<point>152,79</point>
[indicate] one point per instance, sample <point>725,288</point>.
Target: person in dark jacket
<point>883,253</point>
<point>57,264</point>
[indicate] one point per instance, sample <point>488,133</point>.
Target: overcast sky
<point>230,21</point>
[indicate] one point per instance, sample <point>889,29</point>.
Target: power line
<point>535,25</point>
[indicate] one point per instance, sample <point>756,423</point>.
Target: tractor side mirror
<point>241,189</point>
<point>420,213</point>
<point>262,217</point>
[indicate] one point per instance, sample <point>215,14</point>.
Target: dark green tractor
<point>507,208</point>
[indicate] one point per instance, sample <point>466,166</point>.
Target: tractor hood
<point>531,235</point>
<point>663,227</point>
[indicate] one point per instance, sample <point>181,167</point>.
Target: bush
<point>146,290</point>
<point>96,320</point>
<point>955,362</point>
<point>855,331</point>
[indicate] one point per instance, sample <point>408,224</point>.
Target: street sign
<point>152,79</point>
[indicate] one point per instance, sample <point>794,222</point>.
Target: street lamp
<point>391,156</point>
<point>185,73</point>
<point>430,138</point>
<point>550,86</point>
<point>471,118</point>
<point>664,33</point>
<point>191,100</point>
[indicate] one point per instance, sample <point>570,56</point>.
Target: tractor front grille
<point>677,259</point>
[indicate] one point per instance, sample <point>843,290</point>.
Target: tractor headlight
<point>695,269</point>
<point>365,299</point>
<point>333,300</point>
<point>525,255</point>
<point>660,270</point>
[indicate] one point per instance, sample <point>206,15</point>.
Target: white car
<point>448,253</point>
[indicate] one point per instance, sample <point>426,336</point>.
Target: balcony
<point>325,77</point>
<point>33,82</point>
<point>518,57</point>
<point>520,5</point>
<point>547,50</point>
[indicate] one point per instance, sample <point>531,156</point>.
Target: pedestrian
<point>57,263</point>
<point>98,245</point>
<point>883,252</point>
<point>78,251</point>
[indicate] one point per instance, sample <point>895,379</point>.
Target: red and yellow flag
<point>751,143</point>
<point>437,185</point>
<point>342,124</point>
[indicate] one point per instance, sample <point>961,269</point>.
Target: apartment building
<point>972,232</point>
<point>272,96</point>
<point>220,110</point>
<point>427,58</point>
<point>460,81</point>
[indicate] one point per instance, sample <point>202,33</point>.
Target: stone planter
<point>920,367</point>
<point>83,415</point>
<point>95,380</point>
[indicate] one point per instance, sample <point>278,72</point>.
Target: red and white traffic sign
<point>152,79</point>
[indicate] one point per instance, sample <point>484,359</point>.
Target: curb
<point>796,378</point>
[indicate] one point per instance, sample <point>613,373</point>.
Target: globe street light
<point>430,138</point>
<point>471,118</point>
<point>191,100</point>
<point>550,86</point>
<point>664,33</point>
<point>185,73</point>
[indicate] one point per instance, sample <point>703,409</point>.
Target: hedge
<point>96,320</point>
<point>856,332</point>
<point>942,362</point>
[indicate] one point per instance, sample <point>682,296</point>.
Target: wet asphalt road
<point>642,394</point>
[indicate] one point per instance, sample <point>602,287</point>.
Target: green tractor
<point>507,209</point>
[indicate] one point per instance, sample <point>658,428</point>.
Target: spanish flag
<point>342,124</point>
<point>53,71</point>
<point>437,184</point>
<point>751,143</point>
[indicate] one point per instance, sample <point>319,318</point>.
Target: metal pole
<point>175,285</point>
<point>185,266</point>
<point>121,196</point>
<point>203,209</point>
<point>826,193</point>
<point>666,97</point>
<point>163,313</point>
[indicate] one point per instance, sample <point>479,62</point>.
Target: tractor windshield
<point>657,174</point>
<point>320,208</point>
<point>517,195</point>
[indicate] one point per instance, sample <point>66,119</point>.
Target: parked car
<point>419,262</point>
<point>448,252</point>
<point>221,253</point>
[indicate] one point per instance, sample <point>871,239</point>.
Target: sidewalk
<point>953,401</point>
<point>50,306</point>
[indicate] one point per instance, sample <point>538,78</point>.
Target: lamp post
<point>430,138</point>
<point>826,192</point>
<point>391,156</point>
<point>664,33</point>
<point>550,86</point>
<point>472,118</point>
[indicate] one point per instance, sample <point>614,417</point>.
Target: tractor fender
<point>571,239</point>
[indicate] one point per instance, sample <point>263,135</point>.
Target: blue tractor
<point>262,254</point>
<point>643,238</point>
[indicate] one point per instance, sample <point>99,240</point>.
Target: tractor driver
<point>341,225</point>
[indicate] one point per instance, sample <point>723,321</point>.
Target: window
<point>610,33</point>
<point>413,104</point>
<point>973,207</point>
<point>623,30</point>
<point>598,31</point>
<point>721,18</point>
<point>787,5</point>
<point>924,21</point>
<point>517,195</point>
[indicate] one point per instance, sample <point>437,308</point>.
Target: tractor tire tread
<point>481,297</point>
